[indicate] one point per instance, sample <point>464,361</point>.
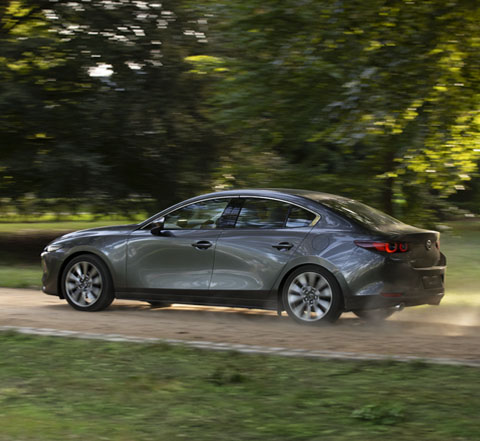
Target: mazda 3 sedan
<point>314,255</point>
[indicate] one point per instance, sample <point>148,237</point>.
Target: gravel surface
<point>444,331</point>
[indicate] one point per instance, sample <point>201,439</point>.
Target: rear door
<point>250,256</point>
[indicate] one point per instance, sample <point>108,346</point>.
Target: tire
<point>374,315</point>
<point>311,296</point>
<point>86,283</point>
<point>160,304</point>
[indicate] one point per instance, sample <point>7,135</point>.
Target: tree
<point>107,106</point>
<point>377,98</point>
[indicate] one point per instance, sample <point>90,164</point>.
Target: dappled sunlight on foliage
<point>148,100</point>
<point>383,96</point>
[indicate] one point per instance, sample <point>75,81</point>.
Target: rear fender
<point>310,260</point>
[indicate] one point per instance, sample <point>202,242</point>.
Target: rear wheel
<point>374,315</point>
<point>86,283</point>
<point>311,296</point>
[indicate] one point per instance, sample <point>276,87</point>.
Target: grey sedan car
<point>312,254</point>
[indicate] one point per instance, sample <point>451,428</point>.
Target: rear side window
<point>298,217</point>
<point>266,213</point>
<point>262,213</point>
<point>363,214</point>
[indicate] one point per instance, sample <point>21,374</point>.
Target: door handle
<point>202,244</point>
<point>283,246</point>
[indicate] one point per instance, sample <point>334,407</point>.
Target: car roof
<point>307,194</point>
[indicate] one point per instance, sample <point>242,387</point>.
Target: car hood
<point>121,229</point>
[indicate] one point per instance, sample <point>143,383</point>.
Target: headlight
<point>53,247</point>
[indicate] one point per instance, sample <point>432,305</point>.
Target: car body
<point>312,254</point>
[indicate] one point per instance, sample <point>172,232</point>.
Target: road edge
<point>242,348</point>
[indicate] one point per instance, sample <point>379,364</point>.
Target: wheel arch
<point>76,254</point>
<point>320,263</point>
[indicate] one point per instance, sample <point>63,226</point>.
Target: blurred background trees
<point>111,101</point>
<point>96,102</point>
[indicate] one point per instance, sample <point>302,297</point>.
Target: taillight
<point>387,247</point>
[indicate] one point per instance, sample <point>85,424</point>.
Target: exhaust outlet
<point>399,307</point>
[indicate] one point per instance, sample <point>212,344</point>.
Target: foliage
<point>384,413</point>
<point>95,101</point>
<point>140,99</point>
<point>377,98</point>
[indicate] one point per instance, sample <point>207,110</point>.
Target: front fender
<point>112,254</point>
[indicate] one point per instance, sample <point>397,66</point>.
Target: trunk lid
<point>423,245</point>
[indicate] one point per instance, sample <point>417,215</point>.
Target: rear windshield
<point>363,214</point>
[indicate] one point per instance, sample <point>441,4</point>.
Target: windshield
<point>360,213</point>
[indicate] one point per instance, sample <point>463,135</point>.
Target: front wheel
<point>86,283</point>
<point>311,296</point>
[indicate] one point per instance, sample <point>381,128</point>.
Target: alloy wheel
<point>309,296</point>
<point>83,284</point>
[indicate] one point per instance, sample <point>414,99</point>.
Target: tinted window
<point>262,213</point>
<point>361,213</point>
<point>298,217</point>
<point>200,215</point>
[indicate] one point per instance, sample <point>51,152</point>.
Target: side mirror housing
<point>157,227</point>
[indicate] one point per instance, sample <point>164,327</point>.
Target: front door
<point>181,258</point>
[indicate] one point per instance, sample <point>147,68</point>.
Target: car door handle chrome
<point>283,246</point>
<point>202,244</point>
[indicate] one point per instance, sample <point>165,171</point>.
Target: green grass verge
<point>57,389</point>
<point>31,227</point>
<point>121,216</point>
<point>20,276</point>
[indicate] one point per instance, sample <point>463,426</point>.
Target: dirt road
<point>450,332</point>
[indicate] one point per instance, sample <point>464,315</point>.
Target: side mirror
<point>157,227</point>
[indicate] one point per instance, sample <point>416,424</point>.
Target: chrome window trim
<point>312,224</point>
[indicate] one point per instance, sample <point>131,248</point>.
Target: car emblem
<point>428,244</point>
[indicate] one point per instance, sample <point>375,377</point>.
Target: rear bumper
<point>399,283</point>
<point>379,301</point>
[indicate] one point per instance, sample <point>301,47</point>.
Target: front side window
<point>199,215</point>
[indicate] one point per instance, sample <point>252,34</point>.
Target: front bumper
<point>51,265</point>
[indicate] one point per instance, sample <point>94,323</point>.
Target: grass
<point>31,216</point>
<point>57,389</point>
<point>32,227</point>
<point>20,276</point>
